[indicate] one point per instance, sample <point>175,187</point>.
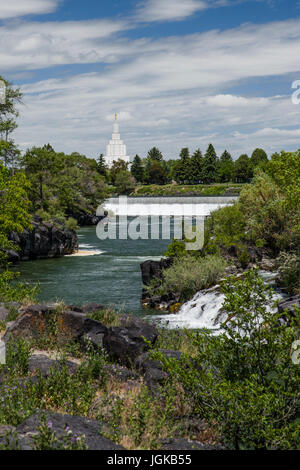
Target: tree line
<point>188,169</point>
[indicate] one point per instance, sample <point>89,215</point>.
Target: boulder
<point>43,319</point>
<point>152,369</point>
<point>153,269</point>
<point>61,424</point>
<point>84,218</point>
<point>44,364</point>
<point>86,308</point>
<point>126,342</point>
<point>289,304</point>
<point>45,240</point>
<point>93,332</point>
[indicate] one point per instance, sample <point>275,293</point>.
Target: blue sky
<point>179,72</point>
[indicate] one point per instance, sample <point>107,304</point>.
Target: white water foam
<point>205,310</point>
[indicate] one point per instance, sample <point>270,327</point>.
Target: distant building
<point>116,149</point>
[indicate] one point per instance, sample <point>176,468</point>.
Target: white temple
<point>116,149</point>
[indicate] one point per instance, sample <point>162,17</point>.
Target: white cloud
<point>35,45</point>
<point>15,8</point>
<point>171,92</point>
<point>162,10</point>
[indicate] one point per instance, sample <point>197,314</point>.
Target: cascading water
<point>164,206</point>
<point>204,310</point>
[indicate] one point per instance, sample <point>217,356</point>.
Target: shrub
<point>188,275</point>
<point>289,272</point>
<point>244,382</point>
<point>71,224</point>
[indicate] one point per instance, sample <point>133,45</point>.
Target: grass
<point>219,189</point>
<point>188,275</point>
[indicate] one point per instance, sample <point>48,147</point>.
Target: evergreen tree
<point>137,169</point>
<point>157,174</point>
<point>155,154</point>
<point>210,165</point>
<point>243,169</point>
<point>101,166</point>
<point>226,167</point>
<point>259,158</point>
<point>197,162</point>
<point>182,171</point>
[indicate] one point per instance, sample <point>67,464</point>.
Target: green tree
<point>14,217</point>
<point>259,158</point>
<point>226,167</point>
<point>210,165</point>
<point>183,168</point>
<point>155,154</point>
<point>117,166</point>
<point>137,169</point>
<point>124,182</point>
<point>101,166</point>
<point>243,169</point>
<point>157,174</point>
<point>197,162</point>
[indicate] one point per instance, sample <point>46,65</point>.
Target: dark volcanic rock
<point>44,364</point>
<point>289,304</point>
<point>44,241</point>
<point>126,342</point>
<point>121,373</point>
<point>86,219</point>
<point>93,332</point>
<point>152,369</point>
<point>153,269</point>
<point>87,308</point>
<point>59,422</point>
<point>40,319</point>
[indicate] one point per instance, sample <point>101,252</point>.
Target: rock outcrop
<point>46,240</point>
<point>153,270</point>
<point>83,218</point>
<point>124,343</point>
<point>62,425</point>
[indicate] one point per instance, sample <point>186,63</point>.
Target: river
<point>109,272</point>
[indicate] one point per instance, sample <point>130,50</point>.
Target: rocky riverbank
<point>46,240</point>
<point>170,302</point>
<point>127,369</point>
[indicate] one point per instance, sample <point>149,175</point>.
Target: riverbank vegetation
<point>238,390</point>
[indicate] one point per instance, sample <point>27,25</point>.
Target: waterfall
<point>204,310</point>
<point>167,206</point>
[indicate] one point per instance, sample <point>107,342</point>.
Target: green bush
<point>289,272</point>
<point>244,382</point>
<point>188,275</point>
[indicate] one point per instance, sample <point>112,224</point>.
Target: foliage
<point>225,228</point>
<point>243,382</point>
<point>124,182</point>
<point>243,169</point>
<point>259,158</point>
<point>210,165</point>
<point>137,169</point>
<point>46,439</point>
<point>188,275</point>
<point>63,184</point>
<point>289,272</point>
